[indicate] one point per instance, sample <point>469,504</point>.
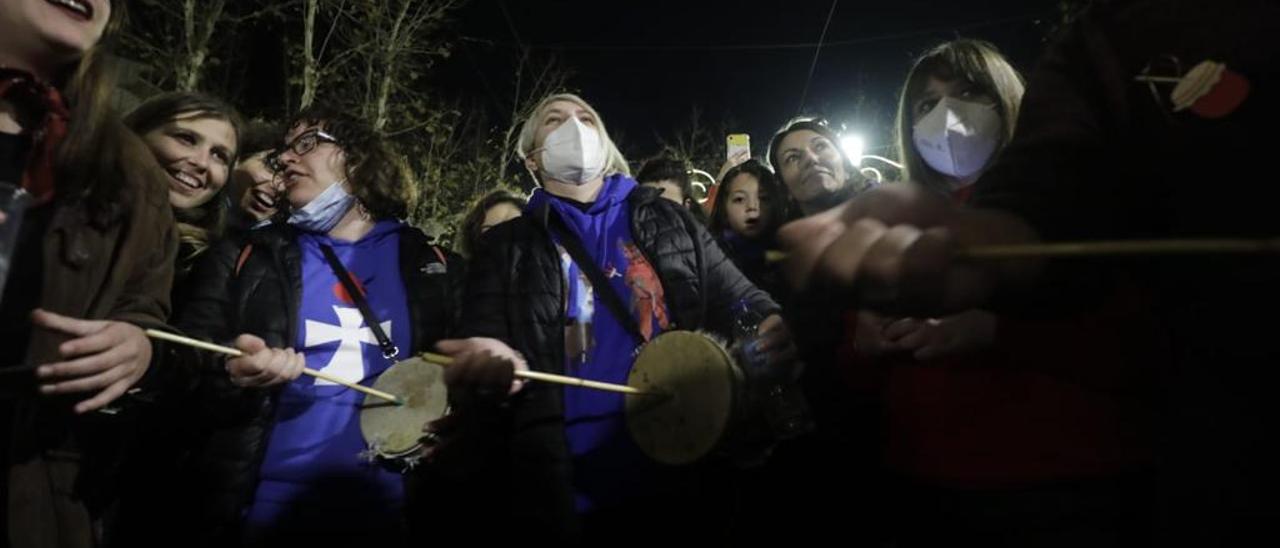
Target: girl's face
<point>746,208</point>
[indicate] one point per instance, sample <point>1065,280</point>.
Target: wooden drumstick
<point>195,343</point>
<point>444,361</point>
<point>1104,248</point>
<point>1122,247</point>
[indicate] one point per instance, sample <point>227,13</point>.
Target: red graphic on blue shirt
<point>313,463</point>
<point>340,291</point>
<point>599,347</point>
<point>647,303</point>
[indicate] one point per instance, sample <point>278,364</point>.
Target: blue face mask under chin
<point>323,212</point>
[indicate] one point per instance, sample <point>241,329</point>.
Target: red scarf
<point>26,92</point>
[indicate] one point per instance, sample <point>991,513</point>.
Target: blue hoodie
<point>600,348</point>
<point>313,464</point>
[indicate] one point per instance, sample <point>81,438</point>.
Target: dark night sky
<point>644,64</point>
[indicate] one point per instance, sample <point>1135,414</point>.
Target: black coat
<point>516,293</point>
<point>255,288</point>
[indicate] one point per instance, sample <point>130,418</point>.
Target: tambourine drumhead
<point>701,383</point>
<point>396,430</point>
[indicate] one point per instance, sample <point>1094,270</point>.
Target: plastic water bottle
<point>13,202</point>
<point>781,401</point>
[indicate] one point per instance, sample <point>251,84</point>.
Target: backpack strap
<point>440,255</point>
<point>244,257</point>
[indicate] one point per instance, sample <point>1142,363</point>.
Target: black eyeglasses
<point>301,146</point>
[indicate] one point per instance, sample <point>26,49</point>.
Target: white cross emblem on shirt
<point>347,362</point>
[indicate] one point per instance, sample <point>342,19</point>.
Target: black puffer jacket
<point>255,288</point>
<point>516,293</point>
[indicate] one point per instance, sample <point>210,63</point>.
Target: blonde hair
<point>614,161</point>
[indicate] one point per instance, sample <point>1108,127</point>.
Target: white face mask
<point>573,153</point>
<point>324,211</point>
<point>957,137</point>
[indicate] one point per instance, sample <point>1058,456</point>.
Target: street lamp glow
<point>853,146</point>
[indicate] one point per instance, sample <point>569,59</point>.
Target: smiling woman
<point>91,269</point>
<point>77,8</point>
<point>194,138</point>
<point>65,29</point>
<point>280,469</point>
<point>595,268</point>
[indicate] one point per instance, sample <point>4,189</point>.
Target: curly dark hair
<point>379,176</point>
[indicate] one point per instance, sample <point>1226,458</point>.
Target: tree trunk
<point>198,36</point>
<point>310,70</point>
<point>390,50</point>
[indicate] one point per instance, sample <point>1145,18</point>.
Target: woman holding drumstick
<point>344,288</point>
<point>596,267</point>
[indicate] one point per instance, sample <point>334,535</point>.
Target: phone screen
<point>738,142</point>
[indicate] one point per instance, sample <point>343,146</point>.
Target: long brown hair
<point>197,226</point>
<point>973,61</point>
<point>91,147</point>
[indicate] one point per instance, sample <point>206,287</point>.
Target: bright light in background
<point>854,145</point>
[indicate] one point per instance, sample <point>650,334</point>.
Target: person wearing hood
<point>565,466</point>
<point>283,458</point>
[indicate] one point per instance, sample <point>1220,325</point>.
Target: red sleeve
<point>1113,345</point>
